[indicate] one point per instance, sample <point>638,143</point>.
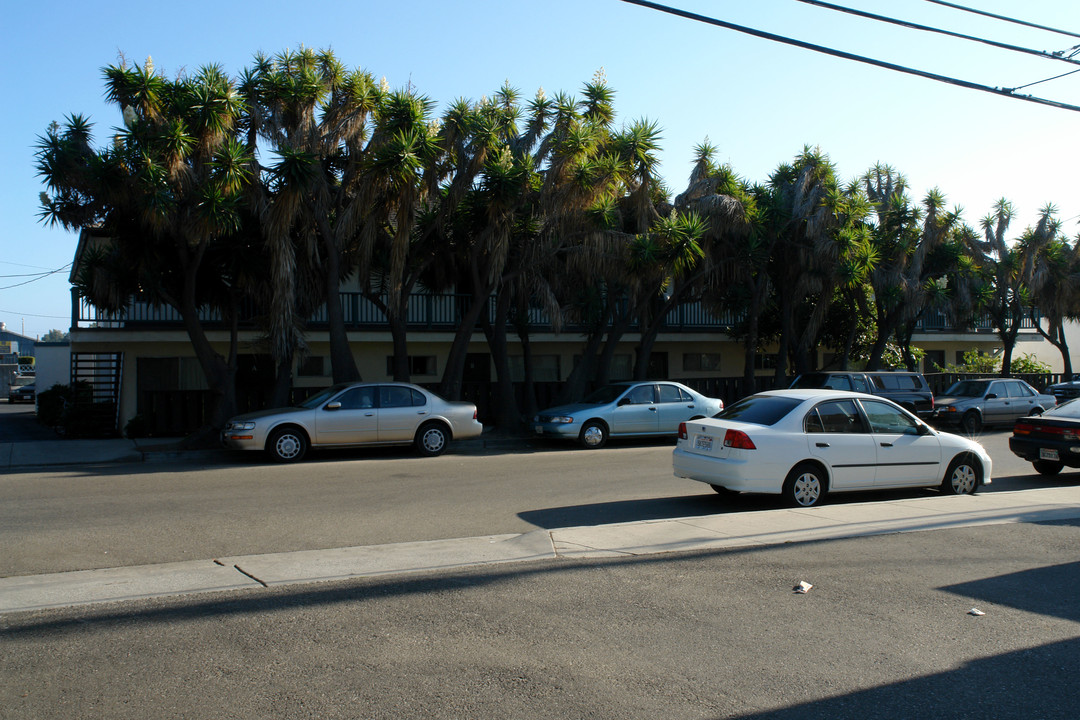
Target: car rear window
<point>759,409</point>
<point>1070,409</point>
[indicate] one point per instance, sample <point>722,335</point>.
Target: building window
<point>175,373</point>
<point>765,361</point>
<point>312,366</point>
<point>418,365</point>
<point>545,368</point>
<point>622,367</point>
<point>699,362</point>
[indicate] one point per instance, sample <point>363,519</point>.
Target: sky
<point>759,102</point>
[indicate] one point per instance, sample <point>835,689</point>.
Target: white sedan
<point>803,444</point>
<point>354,414</point>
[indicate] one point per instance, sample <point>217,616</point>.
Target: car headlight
<point>554,419</point>
<point>240,426</point>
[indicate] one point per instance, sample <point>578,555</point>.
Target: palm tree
<point>1004,293</point>
<point>315,115</point>
<point>169,193</point>
<point>909,243</point>
<point>1053,282</point>
<point>818,248</point>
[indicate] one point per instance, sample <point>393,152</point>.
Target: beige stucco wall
<point>371,351</point>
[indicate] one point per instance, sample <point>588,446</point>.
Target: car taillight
<point>1064,433</point>
<point>739,440</point>
<point>682,431</point>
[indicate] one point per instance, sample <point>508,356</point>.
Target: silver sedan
<point>355,414</point>
<point>628,409</point>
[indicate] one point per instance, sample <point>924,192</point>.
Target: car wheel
<point>805,486</point>
<point>963,477</point>
<point>594,435</point>
<point>971,423</point>
<point>431,439</point>
<point>1045,467</point>
<point>287,444</point>
<point>723,491</point>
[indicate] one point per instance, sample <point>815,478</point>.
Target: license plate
<point>1048,454</point>
<point>703,442</point>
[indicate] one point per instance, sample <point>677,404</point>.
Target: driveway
<point>18,423</point>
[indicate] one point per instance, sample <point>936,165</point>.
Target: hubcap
<point>963,480</point>
<point>288,446</point>
<point>434,440</point>
<point>807,489</point>
<point>593,435</point>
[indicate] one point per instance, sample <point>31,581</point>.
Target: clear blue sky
<point>760,102</point>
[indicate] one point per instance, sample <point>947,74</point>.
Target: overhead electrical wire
<point>40,276</point>
<point>950,33</point>
<point>976,11</point>
<point>1005,92</point>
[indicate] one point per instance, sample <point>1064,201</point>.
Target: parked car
<point>626,409</point>
<point>1050,441</point>
<point>1066,390</point>
<point>974,404</point>
<point>22,389</point>
<point>353,414</point>
<point>804,444</point>
<point>909,390</point>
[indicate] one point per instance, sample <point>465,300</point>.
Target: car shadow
<point>671,508</point>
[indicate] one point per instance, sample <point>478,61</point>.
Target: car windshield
<point>605,395</point>
<point>759,409</point>
<point>967,388</point>
<point>319,398</point>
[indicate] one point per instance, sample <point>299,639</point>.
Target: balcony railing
<point>443,312</point>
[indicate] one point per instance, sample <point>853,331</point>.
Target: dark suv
<point>907,389</point>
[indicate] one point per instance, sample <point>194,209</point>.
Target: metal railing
<point>443,311</point>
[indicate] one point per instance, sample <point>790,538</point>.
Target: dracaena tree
<point>168,192</point>
<point>1055,292</point>
<point>315,117</point>
<point>916,250</point>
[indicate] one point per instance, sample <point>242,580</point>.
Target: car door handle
<point>653,409</point>
<point>822,444</point>
<point>886,444</point>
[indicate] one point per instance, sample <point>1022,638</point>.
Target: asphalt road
<point>885,632</point>
<point>76,519</point>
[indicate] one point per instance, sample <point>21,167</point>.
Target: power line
<point>950,33</point>
<point>40,276</point>
<point>850,56</point>
<point>976,11</point>
<point>21,314</point>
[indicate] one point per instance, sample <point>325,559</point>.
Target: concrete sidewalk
<point>709,532</point>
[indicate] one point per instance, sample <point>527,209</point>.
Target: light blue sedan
<point>629,409</point>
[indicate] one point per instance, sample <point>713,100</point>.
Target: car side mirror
<point>333,406</point>
<point>990,396</point>
<point>924,429</point>
<point>624,401</point>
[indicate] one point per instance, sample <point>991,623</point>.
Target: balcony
<point>443,312</point>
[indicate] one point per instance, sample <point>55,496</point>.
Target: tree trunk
<point>220,373</point>
<point>342,362</point>
<point>399,335</point>
<point>507,418</point>
<point>450,387</point>
<point>574,387</point>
